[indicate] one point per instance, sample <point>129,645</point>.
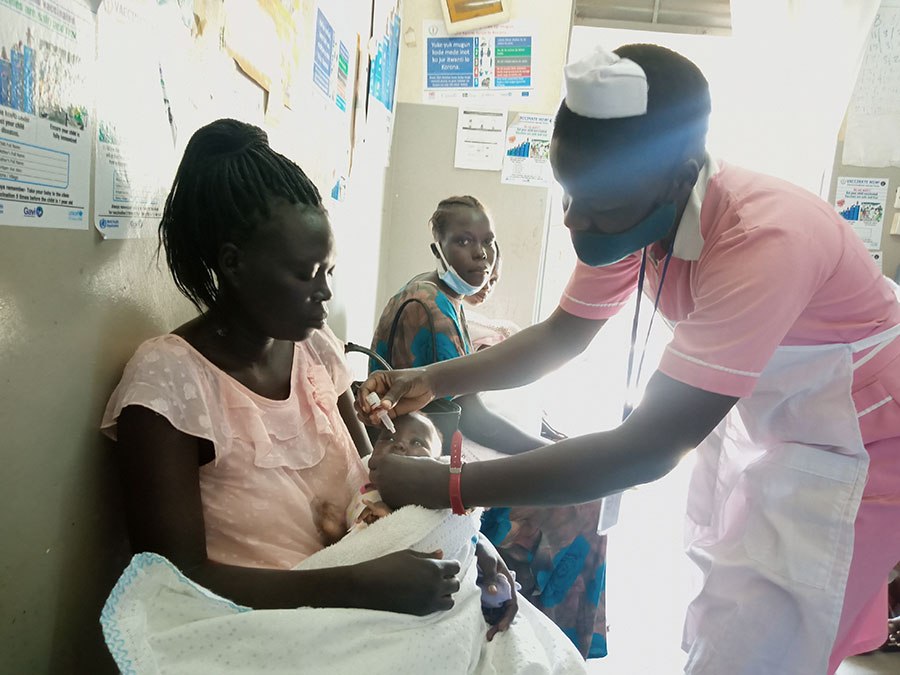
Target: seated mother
<point>236,431</point>
<point>238,438</point>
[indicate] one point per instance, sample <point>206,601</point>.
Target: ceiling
<point>693,16</point>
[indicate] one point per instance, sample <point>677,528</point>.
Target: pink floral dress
<point>275,461</point>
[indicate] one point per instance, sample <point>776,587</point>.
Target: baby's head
<point>416,436</point>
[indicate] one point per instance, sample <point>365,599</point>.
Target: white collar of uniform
<point>689,239</point>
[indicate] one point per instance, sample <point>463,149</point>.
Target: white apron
<point>770,517</point>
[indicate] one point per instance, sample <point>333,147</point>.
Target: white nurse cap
<point>604,86</point>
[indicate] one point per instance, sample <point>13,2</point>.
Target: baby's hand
<point>373,511</point>
<point>499,601</point>
<point>330,522</point>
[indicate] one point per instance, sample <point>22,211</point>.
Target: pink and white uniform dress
<point>794,505</point>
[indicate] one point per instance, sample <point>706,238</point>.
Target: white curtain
<point>780,83</point>
<point>792,68</point>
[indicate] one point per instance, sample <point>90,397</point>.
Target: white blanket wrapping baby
<point>158,621</point>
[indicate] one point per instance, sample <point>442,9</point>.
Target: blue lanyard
<point>629,386</point>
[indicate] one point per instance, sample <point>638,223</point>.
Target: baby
<point>415,436</point>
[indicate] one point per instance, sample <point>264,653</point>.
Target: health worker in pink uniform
<point>783,373</point>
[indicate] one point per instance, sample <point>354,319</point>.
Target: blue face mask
<point>598,249</point>
<point>451,277</point>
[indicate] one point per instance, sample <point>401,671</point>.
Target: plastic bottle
<point>373,400</point>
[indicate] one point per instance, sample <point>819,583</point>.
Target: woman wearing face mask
<point>783,372</point>
<point>465,253</point>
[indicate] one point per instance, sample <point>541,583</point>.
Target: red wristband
<point>456,464</point>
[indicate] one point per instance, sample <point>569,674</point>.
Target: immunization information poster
<point>46,52</point>
<point>861,201</point>
<point>527,159</point>
<point>334,79</point>
<point>135,133</point>
<point>493,63</point>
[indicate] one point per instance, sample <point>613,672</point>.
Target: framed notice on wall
<point>465,15</point>
<point>489,63</point>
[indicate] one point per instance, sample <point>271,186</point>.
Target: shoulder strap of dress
<point>463,328</point>
<point>393,331</point>
<point>464,324</point>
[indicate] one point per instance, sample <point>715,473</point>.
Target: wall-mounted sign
<point>464,15</point>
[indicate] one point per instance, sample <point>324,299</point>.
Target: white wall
<point>358,224</point>
<point>422,169</point>
<point>73,308</point>
<point>421,175</point>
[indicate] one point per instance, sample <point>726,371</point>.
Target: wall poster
<point>46,55</point>
<point>491,63</point>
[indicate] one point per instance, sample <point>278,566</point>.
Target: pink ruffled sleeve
<point>163,376</point>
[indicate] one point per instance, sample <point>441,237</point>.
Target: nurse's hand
<point>400,391</point>
<point>411,480</point>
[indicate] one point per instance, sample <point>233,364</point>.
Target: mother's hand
<point>411,480</point>
<point>400,391</point>
<point>408,582</point>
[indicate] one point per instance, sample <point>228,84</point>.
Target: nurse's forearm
<point>521,359</point>
<point>672,419</point>
<point>516,361</point>
<point>570,472</point>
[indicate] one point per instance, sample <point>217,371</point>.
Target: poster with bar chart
<point>527,160</point>
<point>46,49</point>
<point>861,202</point>
<point>135,159</point>
<point>493,63</point>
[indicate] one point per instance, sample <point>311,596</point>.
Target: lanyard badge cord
<point>609,511</point>
<point>631,386</point>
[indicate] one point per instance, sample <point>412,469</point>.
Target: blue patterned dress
<point>558,557</point>
<point>413,345</point>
